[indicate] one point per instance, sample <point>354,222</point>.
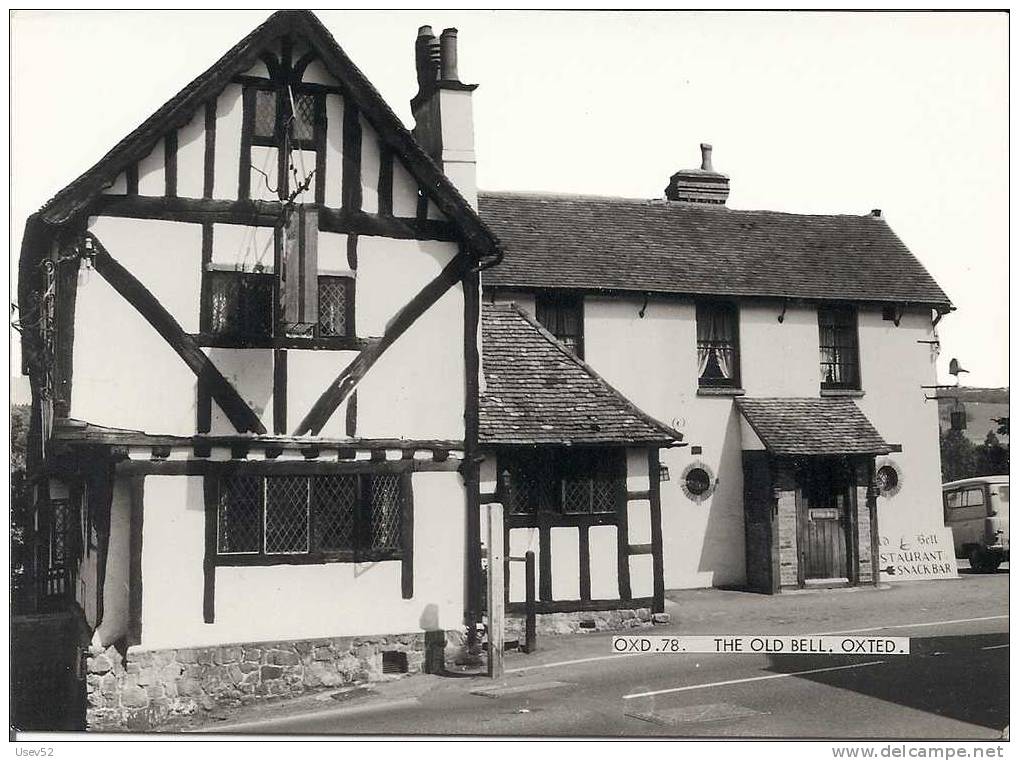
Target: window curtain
<point>716,339</point>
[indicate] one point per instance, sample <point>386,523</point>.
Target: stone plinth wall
<point>547,624</point>
<point>148,687</point>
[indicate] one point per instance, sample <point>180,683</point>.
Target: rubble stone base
<point>149,687</point>
<point>586,621</point>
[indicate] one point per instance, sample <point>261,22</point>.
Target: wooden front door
<point>824,516</point>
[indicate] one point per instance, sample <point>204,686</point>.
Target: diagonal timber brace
<point>346,381</point>
<point>137,295</point>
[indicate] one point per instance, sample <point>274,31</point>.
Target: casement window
<point>240,304</point>
<point>571,482</point>
<point>278,119</point>
<point>279,518</point>
<point>562,315</point>
<point>840,363</point>
<point>718,345</point>
<point>335,306</point>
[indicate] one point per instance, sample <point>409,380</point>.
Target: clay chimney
<point>703,185</point>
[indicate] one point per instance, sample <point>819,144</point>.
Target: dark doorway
<point>824,518</point>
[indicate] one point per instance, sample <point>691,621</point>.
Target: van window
<point>973,497</point>
<point>952,499</point>
<point>1003,493</point>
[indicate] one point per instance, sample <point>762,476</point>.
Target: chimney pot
<point>449,63</point>
<point>875,213</point>
<point>706,157</point>
<point>426,57</point>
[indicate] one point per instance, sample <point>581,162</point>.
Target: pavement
<point>953,685</point>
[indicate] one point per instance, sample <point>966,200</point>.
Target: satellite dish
<point>954,368</point>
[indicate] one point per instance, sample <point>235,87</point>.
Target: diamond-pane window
<point>265,113</point>
<point>334,295</point>
<point>241,304</point>
<point>240,512</point>
<point>286,514</point>
<point>303,125</point>
<point>335,503</point>
<point>384,515</point>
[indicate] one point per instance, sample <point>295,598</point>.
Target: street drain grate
<point>696,714</point>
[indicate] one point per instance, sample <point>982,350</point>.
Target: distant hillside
<point>982,405</point>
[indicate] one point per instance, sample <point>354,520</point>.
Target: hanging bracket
<point>785,306</point>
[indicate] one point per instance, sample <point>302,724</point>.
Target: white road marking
<point>994,647</point>
<point>749,679</point>
<point>911,626</point>
<point>570,663</point>
<point>596,658</point>
<point>275,722</point>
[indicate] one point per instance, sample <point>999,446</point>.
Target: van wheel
<point>982,562</point>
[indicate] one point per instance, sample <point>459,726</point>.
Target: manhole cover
<point>696,714</point>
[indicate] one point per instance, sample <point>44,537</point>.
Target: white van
<point>976,509</point>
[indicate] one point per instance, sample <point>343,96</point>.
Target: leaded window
<point>562,315</point>
<point>241,304</point>
<point>335,306</point>
<point>717,345</point>
<point>571,482</point>
<point>840,363</point>
<point>324,517</point>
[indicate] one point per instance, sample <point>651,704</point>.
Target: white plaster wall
<point>564,544</point>
<point>309,374</point>
<point>893,367</point>
<point>369,168</point>
<point>332,253</point>
<point>416,388</point>
<point>237,247</point>
<point>292,602</point>
<point>152,172</point>
<point>779,358</point>
<point>191,157</point>
<point>334,151</point>
<point>265,159</point>
<point>522,540</point>
<point>604,562</point>
<point>125,374</point>
<point>229,117</point>
<point>405,191</point>
<point>250,371</point>
<point>115,589</point>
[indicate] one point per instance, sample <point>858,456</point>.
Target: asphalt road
<point>954,684</point>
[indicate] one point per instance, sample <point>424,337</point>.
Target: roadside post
<point>530,635</point>
<point>496,591</point>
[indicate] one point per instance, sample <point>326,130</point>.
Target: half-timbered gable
<point>255,373</point>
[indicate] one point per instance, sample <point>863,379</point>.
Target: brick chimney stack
<point>443,111</point>
<point>703,185</point>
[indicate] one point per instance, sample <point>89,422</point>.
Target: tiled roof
<point>178,111</point>
<point>657,246</point>
<point>827,426</point>
<point>537,392</point>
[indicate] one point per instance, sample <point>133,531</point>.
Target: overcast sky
<point>812,113</point>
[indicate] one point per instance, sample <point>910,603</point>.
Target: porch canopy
<point>537,392</point>
<point>825,426</point>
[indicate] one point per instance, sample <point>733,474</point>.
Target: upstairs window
<point>288,114</point>
<point>335,306</point>
<point>318,518</point>
<point>717,345</point>
<point>562,315</point>
<point>241,304</point>
<point>840,363</point>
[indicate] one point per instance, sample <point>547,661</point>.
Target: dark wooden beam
<point>321,178</point>
<point>350,427</point>
<point>641,549</point>
<point>136,294</point>
<point>385,179</point>
<point>247,127</point>
<point>200,467</point>
<point>170,162</point>
<point>584,552</point>
<point>279,391</point>
<point>267,214</point>
<point>63,343</point>
<point>575,606</point>
<point>351,183</point>
<point>623,550</point>
<point>102,487</point>
<point>209,183</point>
<point>135,581</point>
<point>211,493</point>
<point>407,535</point>
<point>345,382</point>
<point>131,177</point>
<point>657,562</point>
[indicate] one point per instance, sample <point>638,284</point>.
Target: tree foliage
<point>961,458</point>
